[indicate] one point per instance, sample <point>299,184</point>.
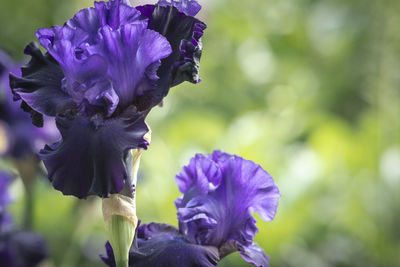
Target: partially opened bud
<point>119,205</point>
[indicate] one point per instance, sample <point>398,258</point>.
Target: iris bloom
<point>17,248</point>
<point>103,72</point>
<point>220,191</point>
<point>18,137</point>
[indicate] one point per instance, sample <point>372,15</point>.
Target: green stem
<point>122,263</point>
<point>28,169</point>
<point>121,232</point>
<point>29,207</point>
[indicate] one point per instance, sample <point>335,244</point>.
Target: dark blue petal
<point>184,34</point>
<point>91,158</point>
<point>40,84</point>
<point>109,257</point>
<point>161,245</point>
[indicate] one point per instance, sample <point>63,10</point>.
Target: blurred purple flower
<point>220,193</point>
<point>21,138</point>
<point>5,199</point>
<point>22,249</point>
<point>104,70</point>
<point>17,248</point>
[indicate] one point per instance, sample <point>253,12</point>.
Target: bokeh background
<point>309,89</point>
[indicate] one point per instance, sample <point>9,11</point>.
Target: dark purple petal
<point>184,34</point>
<point>221,213</point>
<point>108,258</point>
<point>189,7</point>
<point>161,245</point>
<point>40,84</point>
<point>91,157</point>
<point>22,249</point>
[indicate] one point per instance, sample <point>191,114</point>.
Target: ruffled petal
<point>85,74</point>
<point>132,54</point>
<point>40,84</point>
<point>117,13</point>
<point>91,158</point>
<point>161,245</point>
<point>201,174</point>
<point>223,213</point>
<point>255,255</point>
<point>189,7</point>
<point>184,34</point>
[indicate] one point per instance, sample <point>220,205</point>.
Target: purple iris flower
<point>18,137</point>
<point>103,72</point>
<point>22,249</point>
<point>17,248</point>
<point>220,191</point>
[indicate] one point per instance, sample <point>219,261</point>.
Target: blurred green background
<point>309,89</point>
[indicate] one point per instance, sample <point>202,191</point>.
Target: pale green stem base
<point>122,263</point>
<point>121,233</point>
